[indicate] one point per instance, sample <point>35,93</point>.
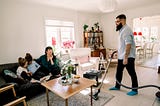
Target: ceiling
<point>97,6</point>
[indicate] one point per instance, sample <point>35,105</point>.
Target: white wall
<point>22,27</point>
<point>108,22</point>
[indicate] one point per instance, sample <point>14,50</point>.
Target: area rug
<point>76,100</point>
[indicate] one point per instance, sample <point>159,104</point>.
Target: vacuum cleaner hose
<point>95,96</point>
<point>140,87</point>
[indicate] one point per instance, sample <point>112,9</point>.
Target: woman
<point>50,62</point>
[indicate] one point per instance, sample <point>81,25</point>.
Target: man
<point>126,54</point>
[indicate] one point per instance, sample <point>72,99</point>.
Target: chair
<point>141,50</point>
<point>109,51</point>
<point>15,100</point>
<point>82,56</point>
<point>149,48</point>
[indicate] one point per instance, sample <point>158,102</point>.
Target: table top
<point>68,90</point>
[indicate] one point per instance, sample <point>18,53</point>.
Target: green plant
<point>67,70</point>
<point>85,26</point>
<point>96,25</point>
<point>153,39</point>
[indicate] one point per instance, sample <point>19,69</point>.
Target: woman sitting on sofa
<point>50,62</point>
<point>37,70</point>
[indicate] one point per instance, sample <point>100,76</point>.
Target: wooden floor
<point>146,76</point>
<point>149,61</point>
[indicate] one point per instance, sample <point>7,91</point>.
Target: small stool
<point>93,75</point>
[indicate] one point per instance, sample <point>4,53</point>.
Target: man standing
<point>126,54</point>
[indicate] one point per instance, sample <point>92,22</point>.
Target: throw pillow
<point>10,73</point>
<point>82,59</point>
<point>10,76</point>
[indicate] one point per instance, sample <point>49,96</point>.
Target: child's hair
<point>21,61</point>
<point>28,57</point>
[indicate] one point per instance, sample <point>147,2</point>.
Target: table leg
<point>91,96</point>
<point>47,97</point>
<point>66,102</point>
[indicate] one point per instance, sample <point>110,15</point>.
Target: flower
<point>53,44</point>
<point>68,44</point>
<point>53,41</point>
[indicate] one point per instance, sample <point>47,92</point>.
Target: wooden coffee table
<point>69,90</point>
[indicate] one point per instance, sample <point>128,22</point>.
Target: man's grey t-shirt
<point>126,37</point>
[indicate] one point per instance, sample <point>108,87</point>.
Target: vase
<point>69,75</point>
<point>69,78</point>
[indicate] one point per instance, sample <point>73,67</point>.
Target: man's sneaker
<point>114,88</point>
<point>132,93</point>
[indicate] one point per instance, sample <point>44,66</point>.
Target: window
<point>146,29</point>
<point>59,34</point>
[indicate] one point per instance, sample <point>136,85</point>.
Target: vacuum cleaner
<point>95,95</point>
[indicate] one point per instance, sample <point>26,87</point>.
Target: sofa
<point>27,89</point>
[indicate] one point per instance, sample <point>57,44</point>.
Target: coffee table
<point>69,90</point>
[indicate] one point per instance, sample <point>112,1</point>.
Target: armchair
<point>82,56</point>
<point>16,100</point>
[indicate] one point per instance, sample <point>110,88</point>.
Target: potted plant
<point>85,26</point>
<point>96,26</point>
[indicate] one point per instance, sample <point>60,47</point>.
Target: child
<point>22,71</point>
<point>37,71</point>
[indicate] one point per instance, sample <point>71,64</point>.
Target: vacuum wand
<point>95,95</point>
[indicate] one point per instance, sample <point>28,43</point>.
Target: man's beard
<point>118,27</point>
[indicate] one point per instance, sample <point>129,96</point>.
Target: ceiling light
<point>107,5</point>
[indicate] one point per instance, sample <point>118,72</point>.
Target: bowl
<point>76,80</point>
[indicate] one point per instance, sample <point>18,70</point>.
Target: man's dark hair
<point>121,16</point>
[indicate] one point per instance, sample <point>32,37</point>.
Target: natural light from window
<point>59,34</point>
<point>146,29</point>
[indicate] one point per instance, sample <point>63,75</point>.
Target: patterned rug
<point>76,100</point>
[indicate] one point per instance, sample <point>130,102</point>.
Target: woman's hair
<point>22,61</point>
<point>48,48</point>
<point>28,57</point>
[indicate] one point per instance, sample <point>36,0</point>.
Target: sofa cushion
<point>82,59</point>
